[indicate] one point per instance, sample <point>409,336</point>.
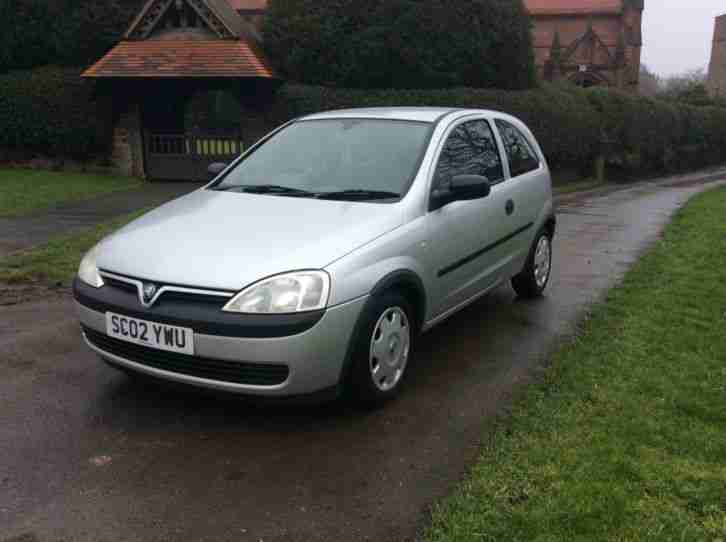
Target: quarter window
<point>470,150</point>
<point>522,158</point>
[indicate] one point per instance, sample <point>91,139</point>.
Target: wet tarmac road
<point>88,455</point>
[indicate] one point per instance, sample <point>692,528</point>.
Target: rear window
<point>521,155</point>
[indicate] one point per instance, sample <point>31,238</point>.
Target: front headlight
<point>87,271</point>
<point>301,291</point>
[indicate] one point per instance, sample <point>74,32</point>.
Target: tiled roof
<point>182,58</point>
<point>557,7</point>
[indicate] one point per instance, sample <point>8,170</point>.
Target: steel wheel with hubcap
<point>384,343</point>
<point>542,261</point>
<point>390,348</point>
<point>535,276</point>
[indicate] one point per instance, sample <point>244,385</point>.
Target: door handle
<point>509,207</point>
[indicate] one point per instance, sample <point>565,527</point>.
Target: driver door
<point>462,259</point>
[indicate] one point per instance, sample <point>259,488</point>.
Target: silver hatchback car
<point>312,263</point>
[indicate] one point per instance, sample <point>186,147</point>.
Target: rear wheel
<point>535,276</point>
<point>382,350</point>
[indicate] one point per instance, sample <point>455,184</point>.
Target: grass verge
<point>23,191</point>
<point>625,436</point>
<point>57,261</point>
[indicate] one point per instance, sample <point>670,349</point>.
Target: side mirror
<point>462,188</point>
<point>468,187</point>
<point>216,168</point>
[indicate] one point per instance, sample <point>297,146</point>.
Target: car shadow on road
<point>456,358</point>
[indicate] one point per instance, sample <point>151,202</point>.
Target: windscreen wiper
<point>268,189</point>
<point>358,195</point>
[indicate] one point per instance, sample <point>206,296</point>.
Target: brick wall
<point>614,23</point>
<point>127,152</point>
<point>717,68</point>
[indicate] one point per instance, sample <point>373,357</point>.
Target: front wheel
<point>535,276</point>
<point>382,350</point>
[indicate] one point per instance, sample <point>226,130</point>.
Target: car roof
<point>419,114</point>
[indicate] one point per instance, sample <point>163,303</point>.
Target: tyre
<point>535,276</point>
<point>382,349</point>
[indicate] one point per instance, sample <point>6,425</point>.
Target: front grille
<point>183,297</point>
<point>251,374</point>
<point>119,284</point>
<point>187,297</point>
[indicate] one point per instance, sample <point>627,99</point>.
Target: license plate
<point>151,334</point>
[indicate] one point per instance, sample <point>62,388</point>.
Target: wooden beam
<point>208,16</point>
<point>151,18</point>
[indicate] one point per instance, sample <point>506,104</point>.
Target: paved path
<point>18,233</point>
<point>87,455</point>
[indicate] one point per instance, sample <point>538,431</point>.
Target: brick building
<point>717,68</point>
<point>588,42</point>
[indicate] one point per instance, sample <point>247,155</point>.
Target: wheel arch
<point>411,286</point>
<point>550,225</point>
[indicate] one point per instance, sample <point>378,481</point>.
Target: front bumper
<point>314,357</point>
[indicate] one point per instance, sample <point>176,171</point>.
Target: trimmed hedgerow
<point>64,32</point>
<point>658,135</point>
<point>565,124</point>
<point>572,125</point>
<point>51,111</point>
<point>26,29</point>
<point>402,43</point>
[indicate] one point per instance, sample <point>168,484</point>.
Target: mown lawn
<point>57,261</point>
<point>23,191</point>
<point>625,437</point>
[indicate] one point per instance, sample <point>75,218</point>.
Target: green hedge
<point>402,43</point>
<point>51,111</point>
<point>63,32</point>
<point>572,125</point>
<point>565,123</point>
<point>659,135</point>
<point>26,27</point>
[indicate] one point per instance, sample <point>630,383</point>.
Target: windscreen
<point>331,156</point>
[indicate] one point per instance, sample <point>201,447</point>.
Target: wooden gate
<point>186,157</point>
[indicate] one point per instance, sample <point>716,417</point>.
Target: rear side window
<point>470,150</point>
<point>521,155</point>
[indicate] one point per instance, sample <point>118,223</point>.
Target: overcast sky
<point>677,34</point>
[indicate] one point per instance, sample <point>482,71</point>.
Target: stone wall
<point>127,151</point>
<point>717,68</point>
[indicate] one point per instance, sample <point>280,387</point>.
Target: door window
<point>470,150</point>
<point>522,158</point>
